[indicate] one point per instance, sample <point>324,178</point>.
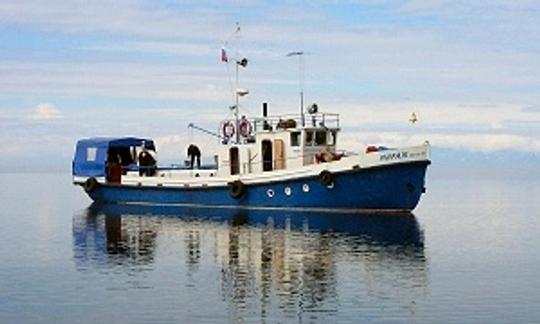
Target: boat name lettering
<point>418,154</point>
<point>394,156</point>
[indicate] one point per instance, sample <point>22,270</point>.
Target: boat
<point>267,162</point>
<point>273,168</point>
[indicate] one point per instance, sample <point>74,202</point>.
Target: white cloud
<point>438,61</point>
<point>473,116</point>
<point>460,7</point>
<point>467,141</point>
<point>142,18</point>
<point>466,81</point>
<point>160,47</point>
<point>45,111</point>
<point>467,126</point>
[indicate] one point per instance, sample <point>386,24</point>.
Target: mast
<point>238,92</point>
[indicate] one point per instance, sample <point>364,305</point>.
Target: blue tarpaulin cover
<point>91,153</point>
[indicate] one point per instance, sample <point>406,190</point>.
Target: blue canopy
<point>91,153</point>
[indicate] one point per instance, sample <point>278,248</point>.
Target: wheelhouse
<point>275,143</point>
<point>92,154</point>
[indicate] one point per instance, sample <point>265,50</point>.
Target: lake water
<point>468,255</point>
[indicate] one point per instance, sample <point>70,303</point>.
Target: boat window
<point>216,161</point>
<point>267,155</point>
<point>91,153</point>
<point>320,138</point>
<point>234,161</point>
<point>331,139</point>
<point>309,138</point>
<point>295,138</point>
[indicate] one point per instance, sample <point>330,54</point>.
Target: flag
<point>224,55</point>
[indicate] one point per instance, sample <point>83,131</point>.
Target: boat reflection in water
<point>266,263</point>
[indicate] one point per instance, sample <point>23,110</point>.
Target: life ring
<point>245,128</point>
<point>228,129</point>
<point>237,189</point>
<point>90,185</point>
<point>326,178</point>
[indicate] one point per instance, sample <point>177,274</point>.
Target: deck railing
<point>295,121</point>
<point>317,120</point>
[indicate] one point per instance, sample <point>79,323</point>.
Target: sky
<point>74,69</point>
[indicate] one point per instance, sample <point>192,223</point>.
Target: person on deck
<point>194,152</point>
<point>113,169</point>
<point>147,163</point>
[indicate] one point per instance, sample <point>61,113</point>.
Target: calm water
<point>470,254</point>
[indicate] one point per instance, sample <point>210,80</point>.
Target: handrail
<point>343,153</point>
<point>294,121</point>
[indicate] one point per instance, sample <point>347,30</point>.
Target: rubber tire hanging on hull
<point>90,185</point>
<point>237,189</point>
<point>326,178</point>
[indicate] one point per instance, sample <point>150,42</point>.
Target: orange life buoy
<point>228,129</point>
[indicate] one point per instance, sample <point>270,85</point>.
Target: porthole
<point>305,187</point>
<point>288,191</point>
<point>270,193</point>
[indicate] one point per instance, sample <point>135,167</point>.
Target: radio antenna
<point>300,55</point>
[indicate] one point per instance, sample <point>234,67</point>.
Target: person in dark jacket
<point>194,152</point>
<point>147,163</point>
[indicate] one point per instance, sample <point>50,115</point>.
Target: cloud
<point>531,109</point>
<point>466,69</point>
<point>487,143</point>
<point>159,47</point>
<point>457,7</point>
<point>456,116</point>
<point>45,111</point>
<point>437,61</point>
<point>141,18</point>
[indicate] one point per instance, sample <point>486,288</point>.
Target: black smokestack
<point>265,109</point>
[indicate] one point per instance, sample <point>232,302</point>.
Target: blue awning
<point>91,153</point>
<point>116,142</point>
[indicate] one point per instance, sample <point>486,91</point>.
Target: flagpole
<point>237,92</point>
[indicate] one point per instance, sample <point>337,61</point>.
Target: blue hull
<point>395,187</point>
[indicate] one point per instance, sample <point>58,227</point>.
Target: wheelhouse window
<point>295,138</point>
<point>309,138</point>
<point>320,138</point>
<point>91,153</point>
<point>331,139</point>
